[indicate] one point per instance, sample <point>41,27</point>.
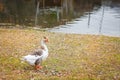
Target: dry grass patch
<point>71,56</point>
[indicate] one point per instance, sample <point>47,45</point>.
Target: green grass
<point>71,56</point>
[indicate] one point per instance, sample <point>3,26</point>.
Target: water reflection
<point>66,10</point>
<point>68,16</point>
<point>44,13</point>
<point>103,20</point>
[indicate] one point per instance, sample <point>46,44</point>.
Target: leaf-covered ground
<point>71,57</point>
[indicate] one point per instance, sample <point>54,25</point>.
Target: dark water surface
<point>101,17</point>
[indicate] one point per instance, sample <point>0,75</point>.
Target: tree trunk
<point>37,11</point>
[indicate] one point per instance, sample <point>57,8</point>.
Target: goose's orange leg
<point>38,67</point>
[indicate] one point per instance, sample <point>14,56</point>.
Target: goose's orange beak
<point>46,40</point>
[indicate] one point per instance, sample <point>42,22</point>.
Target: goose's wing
<point>31,59</point>
<point>38,61</point>
<point>38,52</point>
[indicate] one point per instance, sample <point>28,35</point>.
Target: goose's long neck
<point>44,45</point>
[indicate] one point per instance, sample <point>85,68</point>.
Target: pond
<point>99,17</point>
<point>103,19</point>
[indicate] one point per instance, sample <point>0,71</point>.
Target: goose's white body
<point>31,59</point>
<point>41,54</point>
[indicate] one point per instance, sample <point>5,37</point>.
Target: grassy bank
<point>71,57</point>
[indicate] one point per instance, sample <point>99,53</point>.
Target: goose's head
<point>45,39</point>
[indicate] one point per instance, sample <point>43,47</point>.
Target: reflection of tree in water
<point>17,11</point>
<point>23,11</point>
<point>76,8</point>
